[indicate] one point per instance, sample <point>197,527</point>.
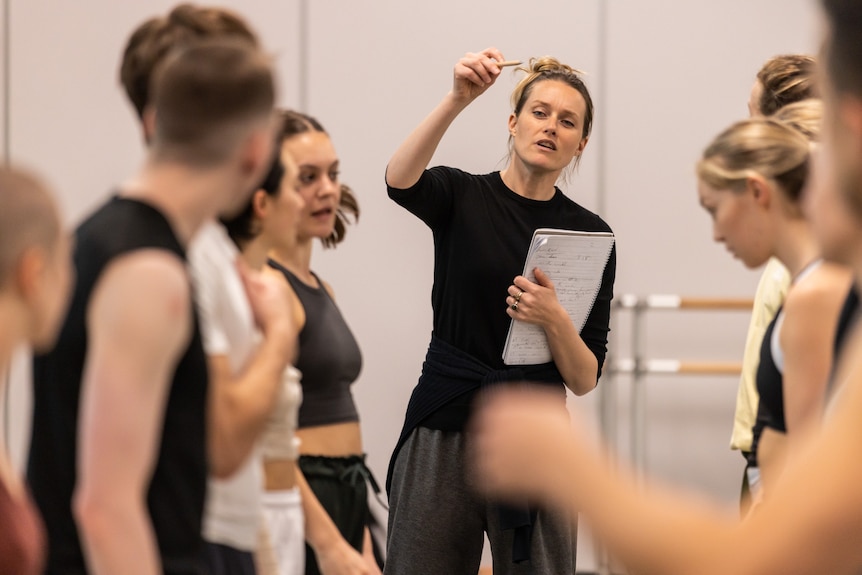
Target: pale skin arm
<point>334,554</point>
<point>539,305</point>
<point>133,350</point>
<point>473,74</point>
<point>240,403</point>
<point>809,523</point>
<point>368,554</point>
<point>807,334</point>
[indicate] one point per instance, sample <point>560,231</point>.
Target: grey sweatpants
<point>437,520</point>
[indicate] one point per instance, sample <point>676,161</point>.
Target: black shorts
<point>225,560</point>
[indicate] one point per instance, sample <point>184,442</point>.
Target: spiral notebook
<point>575,262</point>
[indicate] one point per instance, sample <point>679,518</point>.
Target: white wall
<point>676,73</point>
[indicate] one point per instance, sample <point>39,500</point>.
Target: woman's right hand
<point>341,559</point>
<point>475,73</point>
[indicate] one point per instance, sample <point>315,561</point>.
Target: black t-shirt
<point>176,493</point>
<point>482,231</point>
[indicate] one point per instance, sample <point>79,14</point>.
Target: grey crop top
<point>329,357</point>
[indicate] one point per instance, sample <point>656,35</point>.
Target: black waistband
<point>350,469</point>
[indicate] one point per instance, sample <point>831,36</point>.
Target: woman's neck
<point>529,183</point>
<point>297,259</point>
<point>797,247</point>
<point>255,253</point>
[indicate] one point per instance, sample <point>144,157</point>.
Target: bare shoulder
<point>295,304</point>
<point>328,289</point>
<point>824,289</point>
<point>146,292</point>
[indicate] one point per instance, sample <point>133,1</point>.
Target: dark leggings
<point>341,486</point>
<point>225,560</point>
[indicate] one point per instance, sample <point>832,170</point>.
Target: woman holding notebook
<point>437,519</point>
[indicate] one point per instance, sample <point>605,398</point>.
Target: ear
<point>761,191</point>
<point>582,145</point>
<point>260,203</point>
<point>148,124</point>
<point>513,122</point>
<point>29,271</point>
<point>256,150</point>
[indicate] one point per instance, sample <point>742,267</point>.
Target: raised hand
<point>475,73</point>
<point>268,297</point>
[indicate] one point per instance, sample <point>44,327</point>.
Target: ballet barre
<point>639,367</point>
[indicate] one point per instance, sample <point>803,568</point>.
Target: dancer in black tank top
<point>120,403</point>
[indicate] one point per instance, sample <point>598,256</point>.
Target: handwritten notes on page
<point>575,262</point>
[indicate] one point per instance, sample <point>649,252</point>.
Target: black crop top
<point>769,380</point>
<point>329,357</point>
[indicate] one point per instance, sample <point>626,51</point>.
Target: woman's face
<point>280,220</point>
<point>738,221</point>
<point>546,134</point>
<point>317,182</point>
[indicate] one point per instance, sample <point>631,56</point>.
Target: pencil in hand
<point>506,63</point>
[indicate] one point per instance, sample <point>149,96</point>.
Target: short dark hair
<point>205,95</point>
<point>241,228</point>
<point>153,39</point>
<point>292,123</point>
<point>844,45</point>
<point>786,79</point>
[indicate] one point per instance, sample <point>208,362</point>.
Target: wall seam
<point>303,55</point>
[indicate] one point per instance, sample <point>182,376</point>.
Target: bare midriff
<point>336,440</point>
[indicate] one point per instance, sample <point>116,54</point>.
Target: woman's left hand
<point>533,302</point>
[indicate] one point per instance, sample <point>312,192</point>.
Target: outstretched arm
<point>474,73</point>
<point>808,524</point>
<point>139,321</point>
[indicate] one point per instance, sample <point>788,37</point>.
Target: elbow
<point>224,463</point>
<point>399,181</point>
<point>583,387</point>
<point>94,516</point>
<point>584,380</point>
<point>225,458</point>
